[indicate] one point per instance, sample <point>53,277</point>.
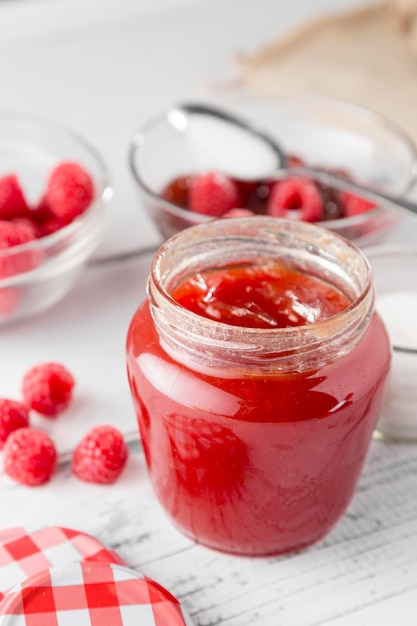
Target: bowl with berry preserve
<point>181,184</point>
<point>53,191</point>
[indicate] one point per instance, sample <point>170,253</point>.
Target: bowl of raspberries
<point>180,186</point>
<point>53,191</point>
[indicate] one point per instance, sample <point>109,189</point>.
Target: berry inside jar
<point>215,195</point>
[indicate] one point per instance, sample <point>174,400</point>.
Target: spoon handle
<point>384,200</point>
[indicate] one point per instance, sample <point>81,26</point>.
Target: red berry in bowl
<point>29,457</point>
<point>213,194</point>
<point>13,415</point>
<point>47,388</point>
<point>296,197</point>
<point>12,261</point>
<point>12,201</point>
<point>100,456</point>
<point>70,190</point>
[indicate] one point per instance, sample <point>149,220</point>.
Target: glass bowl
<point>46,268</point>
<point>324,133</point>
<point>395,274</point>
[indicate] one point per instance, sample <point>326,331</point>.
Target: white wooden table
<point>102,68</point>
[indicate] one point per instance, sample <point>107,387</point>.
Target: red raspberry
<point>70,190</point>
<point>296,195</point>
<point>30,224</point>
<point>13,415</point>
<point>355,205</point>
<point>13,261</point>
<point>100,456</point>
<point>213,194</point>
<point>29,456</point>
<point>45,221</point>
<point>12,200</point>
<point>47,388</point>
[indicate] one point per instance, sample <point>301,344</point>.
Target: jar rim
<point>309,241</point>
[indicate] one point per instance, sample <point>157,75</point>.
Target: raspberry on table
<point>12,200</point>
<point>16,233</point>
<point>69,191</point>
<point>213,194</point>
<point>13,415</point>
<point>47,388</point>
<point>299,195</point>
<point>100,456</point>
<point>29,456</point>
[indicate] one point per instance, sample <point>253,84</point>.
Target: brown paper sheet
<point>365,57</point>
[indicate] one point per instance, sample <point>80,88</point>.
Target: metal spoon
<point>245,152</point>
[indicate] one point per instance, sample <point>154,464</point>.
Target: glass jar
<point>255,437</point>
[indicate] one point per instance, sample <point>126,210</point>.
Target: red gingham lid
<point>24,554</point>
<point>91,594</point>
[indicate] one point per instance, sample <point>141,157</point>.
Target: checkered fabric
<point>91,594</point>
<point>24,554</point>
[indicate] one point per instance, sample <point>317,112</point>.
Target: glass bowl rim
<point>139,137</point>
<point>102,181</point>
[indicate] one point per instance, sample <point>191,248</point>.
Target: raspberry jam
<point>257,367</point>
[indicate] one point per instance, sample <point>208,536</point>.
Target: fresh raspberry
<point>355,205</point>
<point>47,388</point>
<point>29,456</point>
<point>14,261</point>
<point>29,223</point>
<point>296,197</point>
<point>100,456</point>
<point>70,190</point>
<point>45,221</point>
<point>213,194</point>
<point>13,415</point>
<point>12,200</point>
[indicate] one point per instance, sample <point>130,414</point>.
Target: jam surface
<point>255,464</point>
<point>260,296</point>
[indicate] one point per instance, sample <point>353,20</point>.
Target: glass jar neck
<point>201,342</point>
